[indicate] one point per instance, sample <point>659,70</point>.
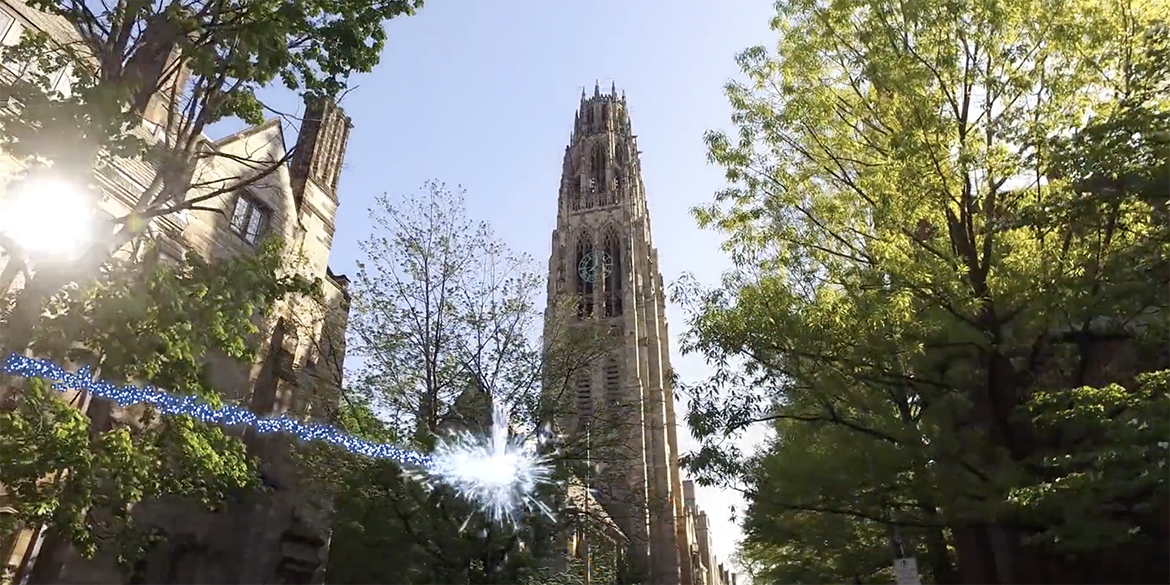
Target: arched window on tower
<point>584,396</point>
<point>613,276</point>
<point>597,168</point>
<point>586,267</point>
<point>573,192</point>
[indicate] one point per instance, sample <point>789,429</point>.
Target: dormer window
<point>249,219</point>
<point>10,34</point>
<point>6,21</point>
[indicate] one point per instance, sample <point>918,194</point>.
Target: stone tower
<point>603,260</point>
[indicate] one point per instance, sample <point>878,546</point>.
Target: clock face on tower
<point>594,265</point>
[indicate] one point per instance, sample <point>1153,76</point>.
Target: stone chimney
<point>320,150</point>
<point>155,73</point>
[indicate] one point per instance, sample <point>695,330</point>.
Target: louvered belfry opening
<point>584,392</point>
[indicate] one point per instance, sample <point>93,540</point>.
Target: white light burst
<point>47,216</point>
<point>497,473</point>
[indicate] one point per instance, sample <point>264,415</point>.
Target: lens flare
<point>497,473</point>
<point>47,216</point>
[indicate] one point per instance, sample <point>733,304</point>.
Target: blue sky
<point>481,93</point>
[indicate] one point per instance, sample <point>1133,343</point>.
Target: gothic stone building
<point>276,538</point>
<point>604,262</point>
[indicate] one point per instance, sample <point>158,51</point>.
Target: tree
<point>441,304</point>
<point>443,309</point>
<point>181,66</point>
<point>149,322</point>
<point>827,505</point>
<point>931,247</point>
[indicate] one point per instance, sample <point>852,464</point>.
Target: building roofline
<point>249,131</point>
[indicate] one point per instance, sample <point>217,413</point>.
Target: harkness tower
<point>603,260</point>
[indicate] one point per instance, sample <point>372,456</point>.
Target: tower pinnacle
<point>603,160</point>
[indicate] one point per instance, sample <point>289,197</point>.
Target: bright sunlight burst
<point>47,216</point>
<point>497,473</point>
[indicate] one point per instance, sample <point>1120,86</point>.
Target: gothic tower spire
<point>605,267</point>
<point>602,159</point>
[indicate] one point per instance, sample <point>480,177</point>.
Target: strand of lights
<point>498,473</point>
<point>167,403</point>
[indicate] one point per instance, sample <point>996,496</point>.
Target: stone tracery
<point>612,285</point>
<point>584,255</point>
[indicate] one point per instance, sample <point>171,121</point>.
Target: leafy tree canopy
<point>148,323</point>
<point>948,226</point>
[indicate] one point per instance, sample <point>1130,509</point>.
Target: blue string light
<point>167,403</point>
<point>497,473</point>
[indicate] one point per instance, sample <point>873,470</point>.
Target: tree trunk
<point>991,554</point>
<point>940,559</point>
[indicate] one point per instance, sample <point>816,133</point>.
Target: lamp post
<point>588,496</point>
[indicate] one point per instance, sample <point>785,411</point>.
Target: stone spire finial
<point>596,88</point>
<point>582,94</point>
<point>613,88</point>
